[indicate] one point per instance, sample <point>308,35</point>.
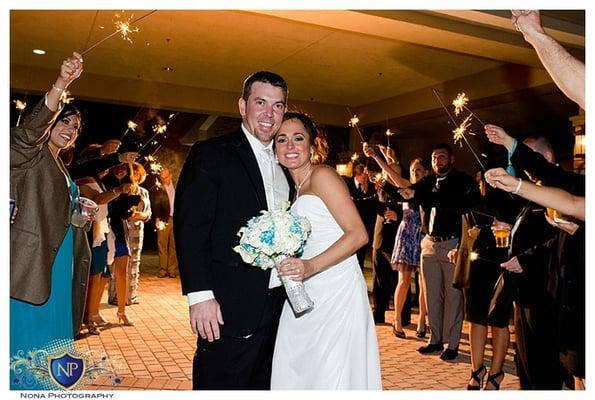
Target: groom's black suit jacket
<point>220,188</point>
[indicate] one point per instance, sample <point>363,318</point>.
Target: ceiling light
<point>39,51</point>
<point>168,69</point>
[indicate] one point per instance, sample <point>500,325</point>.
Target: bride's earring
<point>276,159</point>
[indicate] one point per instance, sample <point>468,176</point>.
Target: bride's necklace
<point>299,186</point>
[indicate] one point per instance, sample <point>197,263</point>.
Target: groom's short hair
<point>264,77</point>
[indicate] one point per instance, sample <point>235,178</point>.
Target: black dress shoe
<point>449,354</point>
<point>430,348</point>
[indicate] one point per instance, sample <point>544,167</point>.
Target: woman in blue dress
<point>406,253</point>
<point>49,256</point>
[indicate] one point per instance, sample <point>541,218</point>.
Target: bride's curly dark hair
<point>318,143</point>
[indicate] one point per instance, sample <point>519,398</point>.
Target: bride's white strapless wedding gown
<point>334,345</point>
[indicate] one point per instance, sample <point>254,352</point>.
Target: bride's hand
<point>295,269</point>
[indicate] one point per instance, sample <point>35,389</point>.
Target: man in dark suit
<point>225,181</point>
<point>363,195</point>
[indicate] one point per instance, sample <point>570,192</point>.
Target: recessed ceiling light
<point>39,51</point>
<point>168,69</point>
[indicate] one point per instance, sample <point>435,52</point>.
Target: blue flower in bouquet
<point>272,234</point>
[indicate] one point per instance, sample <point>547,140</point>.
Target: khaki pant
<point>168,261</point>
<point>445,302</point>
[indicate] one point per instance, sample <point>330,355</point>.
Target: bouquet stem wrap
<point>296,292</point>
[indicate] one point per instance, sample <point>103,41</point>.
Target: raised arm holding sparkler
<point>392,170</point>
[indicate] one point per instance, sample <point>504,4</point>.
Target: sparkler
<point>459,132</point>
<point>130,127</point>
<point>462,132</point>
<point>20,105</point>
<point>354,157</point>
<point>460,104</point>
<point>123,27</point>
<point>388,134</point>
<point>475,256</point>
<point>354,123</point>
<point>154,166</point>
<point>159,129</point>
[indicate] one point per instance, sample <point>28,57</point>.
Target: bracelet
<point>57,88</point>
<point>518,187</point>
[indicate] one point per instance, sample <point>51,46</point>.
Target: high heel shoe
<point>399,334</point>
<point>97,320</point>
<point>420,334</point>
<point>92,328</point>
<point>492,380</point>
<point>477,376</point>
<point>123,319</point>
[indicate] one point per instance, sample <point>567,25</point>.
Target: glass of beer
<point>501,231</point>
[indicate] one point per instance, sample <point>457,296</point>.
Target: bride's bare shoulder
<point>324,177</point>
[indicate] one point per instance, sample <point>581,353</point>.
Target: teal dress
<point>33,327</point>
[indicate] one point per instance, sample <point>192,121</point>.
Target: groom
<point>225,181</point>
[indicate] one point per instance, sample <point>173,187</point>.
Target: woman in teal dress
<point>49,256</point>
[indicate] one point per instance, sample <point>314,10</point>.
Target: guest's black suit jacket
<point>220,188</point>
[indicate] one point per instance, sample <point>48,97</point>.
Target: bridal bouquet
<point>271,237</point>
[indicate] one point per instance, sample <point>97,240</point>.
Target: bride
<point>333,346</point>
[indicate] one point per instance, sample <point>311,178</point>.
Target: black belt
<point>435,238</point>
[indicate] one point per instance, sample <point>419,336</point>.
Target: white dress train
<point>333,346</point>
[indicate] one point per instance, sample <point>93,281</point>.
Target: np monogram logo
<point>66,370</point>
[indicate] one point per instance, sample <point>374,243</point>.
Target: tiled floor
<point>156,353</point>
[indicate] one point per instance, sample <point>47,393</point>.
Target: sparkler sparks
<point>473,256</point>
<point>460,102</point>
<point>354,157</point>
<point>66,98</point>
<point>159,128</point>
<point>123,26</point>
<point>388,134</point>
<point>459,132</point>
<point>19,104</point>
<point>131,125</point>
<point>354,121</point>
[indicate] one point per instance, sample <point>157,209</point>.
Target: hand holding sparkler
<point>496,134</point>
<point>512,265</point>
<point>128,157</point>
<point>500,179</point>
<point>70,70</point>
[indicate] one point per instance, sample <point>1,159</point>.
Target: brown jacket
<point>42,197</point>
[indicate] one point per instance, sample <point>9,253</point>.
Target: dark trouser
<point>537,352</point>
<point>235,363</point>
